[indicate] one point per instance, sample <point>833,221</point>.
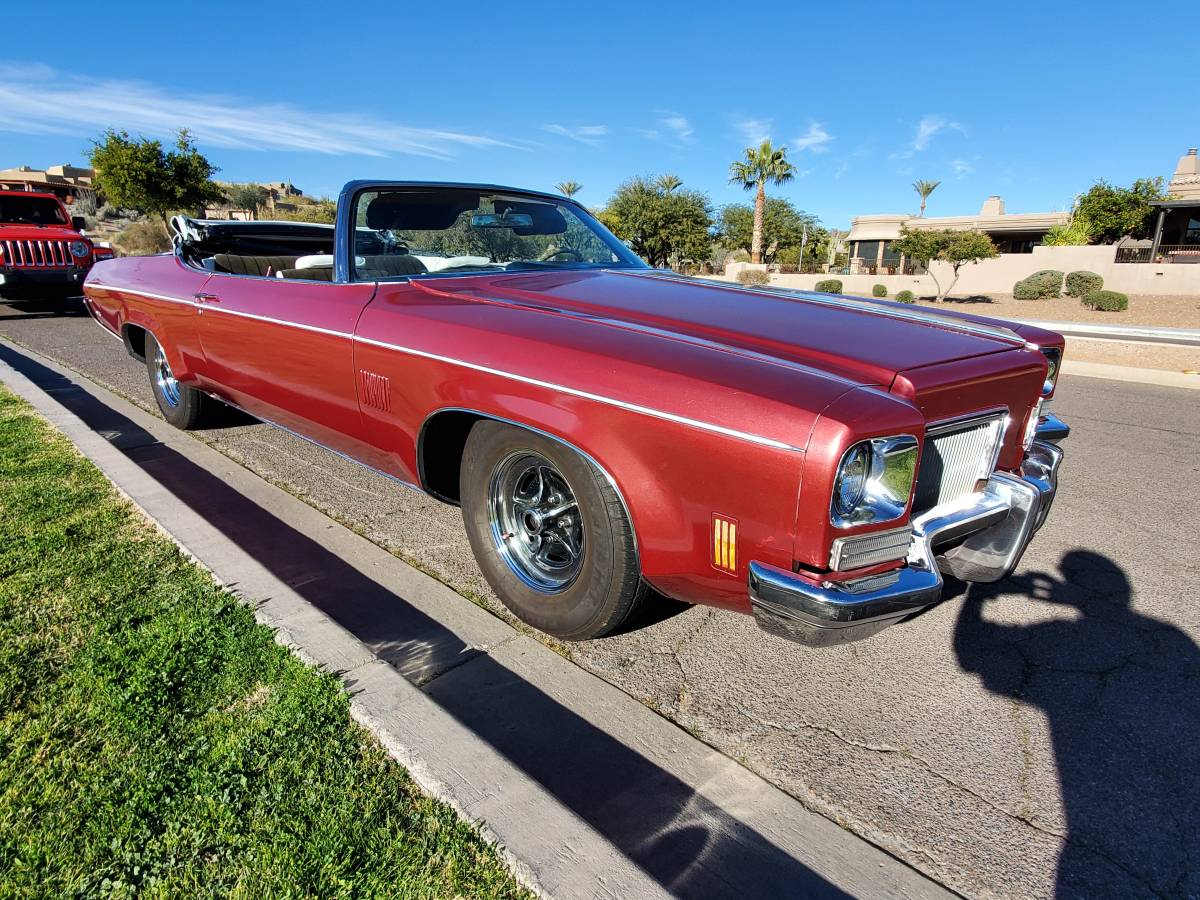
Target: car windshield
<point>30,211</point>
<point>403,233</point>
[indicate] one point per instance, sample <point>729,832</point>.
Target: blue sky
<point>1033,103</point>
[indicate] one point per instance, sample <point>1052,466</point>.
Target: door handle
<point>204,297</point>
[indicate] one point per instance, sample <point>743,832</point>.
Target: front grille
<point>956,456</point>
<point>36,254</point>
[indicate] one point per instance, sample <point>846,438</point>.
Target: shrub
<point>753,276</point>
<point>1107,301</point>
<point>143,238</point>
<point>1080,284</point>
<point>880,290</point>
<point>906,297</point>
<point>1039,286</point>
<point>830,286</point>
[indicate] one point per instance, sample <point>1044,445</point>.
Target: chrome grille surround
<point>958,455</point>
<point>37,254</point>
<point>869,549</point>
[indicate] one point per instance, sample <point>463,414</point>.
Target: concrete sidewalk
<point>1150,334</point>
<point>587,791</point>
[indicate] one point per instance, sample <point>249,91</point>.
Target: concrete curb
<point>1153,334</point>
<point>586,791</point>
<point>1161,377</point>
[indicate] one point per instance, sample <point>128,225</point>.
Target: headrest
<point>419,210</point>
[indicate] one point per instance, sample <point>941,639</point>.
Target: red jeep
<point>43,253</point>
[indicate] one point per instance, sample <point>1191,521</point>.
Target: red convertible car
<point>816,460</point>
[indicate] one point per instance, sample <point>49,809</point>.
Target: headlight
<point>874,481</point>
<point>79,249</point>
<point>1054,359</point>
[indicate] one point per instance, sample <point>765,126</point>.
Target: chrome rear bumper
<point>998,523</point>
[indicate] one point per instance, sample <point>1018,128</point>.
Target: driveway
<point>1034,738</point>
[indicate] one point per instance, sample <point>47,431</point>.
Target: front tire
<point>182,406</point>
<point>549,532</point>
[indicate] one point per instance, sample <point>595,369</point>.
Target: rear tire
<point>182,406</point>
<point>528,502</point>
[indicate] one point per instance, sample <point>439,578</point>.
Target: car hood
<point>864,341</point>
<point>10,232</point>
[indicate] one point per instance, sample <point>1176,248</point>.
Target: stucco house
<point>68,182</point>
<point>871,237</point>
<point>1177,228</point>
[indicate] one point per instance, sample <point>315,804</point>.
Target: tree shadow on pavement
<point>1121,693</point>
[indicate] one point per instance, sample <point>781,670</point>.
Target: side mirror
<point>78,223</point>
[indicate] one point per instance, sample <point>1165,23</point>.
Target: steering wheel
<point>572,255</point>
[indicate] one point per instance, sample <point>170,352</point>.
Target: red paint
<point>363,367</point>
<point>44,248</point>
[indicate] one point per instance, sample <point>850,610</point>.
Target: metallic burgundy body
<point>698,399</point>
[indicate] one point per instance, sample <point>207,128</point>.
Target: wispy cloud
<point>672,126</point>
<point>43,100</point>
<point>754,131</point>
<point>961,168</point>
<point>814,140</point>
<point>585,134</point>
<point>677,124</point>
<point>928,128</point>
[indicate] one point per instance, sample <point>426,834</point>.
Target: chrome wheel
<point>168,387</point>
<point>535,521</point>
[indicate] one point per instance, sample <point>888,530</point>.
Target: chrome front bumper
<point>998,523</point>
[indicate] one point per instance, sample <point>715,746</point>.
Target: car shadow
<point>1120,692</point>
<point>70,308</point>
<point>689,845</point>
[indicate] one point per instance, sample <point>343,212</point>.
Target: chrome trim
<point>587,395</point>
<point>994,526</point>
<point>858,304</point>
<point>535,522</point>
<point>488,370</point>
<point>612,482</point>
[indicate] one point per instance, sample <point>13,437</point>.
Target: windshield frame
<point>347,211</point>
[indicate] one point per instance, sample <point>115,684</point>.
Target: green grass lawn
<point>156,742</point>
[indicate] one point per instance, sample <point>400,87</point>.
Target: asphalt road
<point>1036,738</point>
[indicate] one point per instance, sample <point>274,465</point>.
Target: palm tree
<point>924,188</point>
<point>668,183</point>
<point>568,188</point>
<point>762,164</point>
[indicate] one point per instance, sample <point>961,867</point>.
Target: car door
<point>282,349</point>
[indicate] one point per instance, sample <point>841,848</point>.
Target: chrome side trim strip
<point>588,395</point>
<point>488,370</point>
<point>996,332</point>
